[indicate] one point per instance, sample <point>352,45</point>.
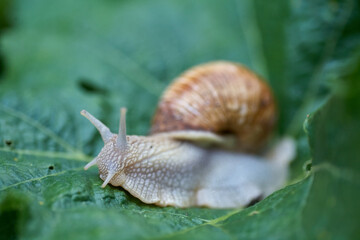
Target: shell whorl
<point>221,97</point>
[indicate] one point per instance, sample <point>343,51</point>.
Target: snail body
<point>175,165</point>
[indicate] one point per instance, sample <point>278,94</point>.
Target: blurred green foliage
<point>58,57</point>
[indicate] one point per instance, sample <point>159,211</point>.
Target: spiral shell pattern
<point>221,97</point>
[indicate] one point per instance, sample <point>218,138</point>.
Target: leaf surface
<point>64,56</point>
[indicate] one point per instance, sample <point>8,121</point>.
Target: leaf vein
<point>25,118</point>
<point>40,178</point>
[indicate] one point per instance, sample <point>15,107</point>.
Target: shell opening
<point>103,130</point>
<point>121,138</point>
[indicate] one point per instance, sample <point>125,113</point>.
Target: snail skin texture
<point>207,127</point>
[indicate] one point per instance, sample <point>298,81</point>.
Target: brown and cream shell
<point>221,97</point>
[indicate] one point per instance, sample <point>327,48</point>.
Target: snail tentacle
<point>103,130</point>
<point>121,138</point>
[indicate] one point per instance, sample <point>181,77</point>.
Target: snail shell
<point>222,98</point>
<point>172,166</point>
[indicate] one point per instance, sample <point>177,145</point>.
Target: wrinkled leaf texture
<point>58,57</point>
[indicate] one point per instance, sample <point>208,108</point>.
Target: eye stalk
<point>103,130</point>
<point>121,138</point>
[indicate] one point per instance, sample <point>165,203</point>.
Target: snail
<point>208,130</point>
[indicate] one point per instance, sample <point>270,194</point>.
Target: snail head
<point>111,157</point>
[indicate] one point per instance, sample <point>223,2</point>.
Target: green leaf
<point>333,213</point>
<point>60,57</point>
